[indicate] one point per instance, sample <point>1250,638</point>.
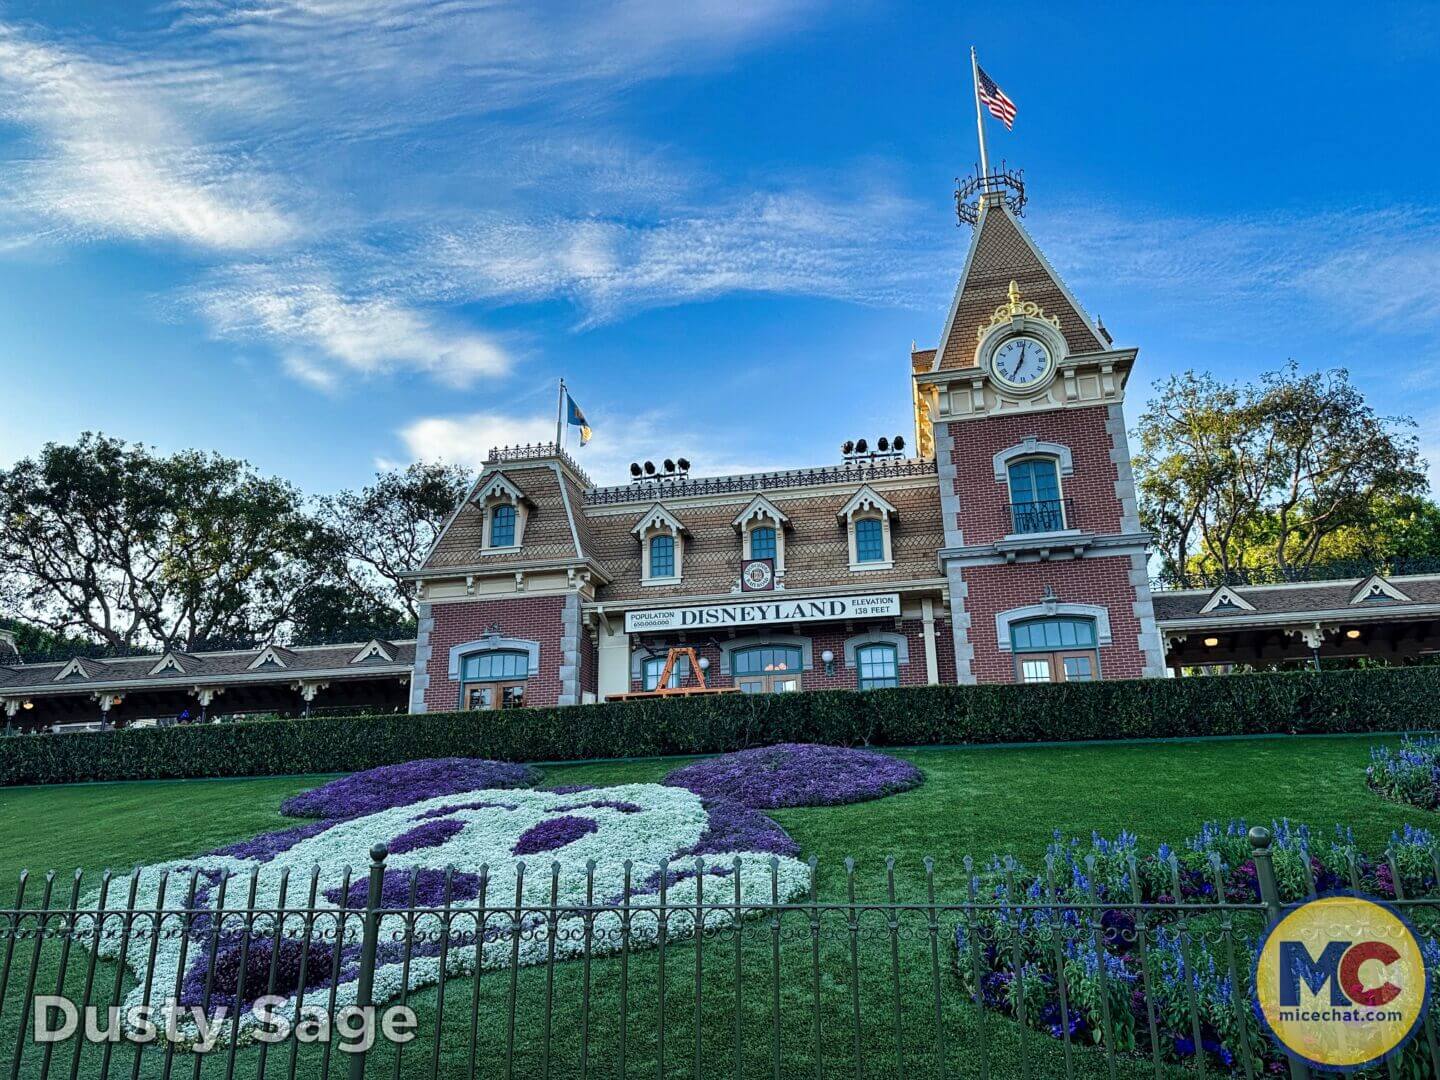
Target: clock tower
<point>1044,556</point>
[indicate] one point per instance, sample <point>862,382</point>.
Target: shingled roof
<point>1298,599</point>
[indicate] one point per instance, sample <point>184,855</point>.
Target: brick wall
<point>984,515</point>
<point>531,618</point>
<point>833,638</point>
<point>1100,581</point>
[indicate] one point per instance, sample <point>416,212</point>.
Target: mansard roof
<point>1001,251</point>
<point>552,529</point>
<point>761,507</point>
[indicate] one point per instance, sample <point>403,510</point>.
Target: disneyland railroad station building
<point>999,542</point>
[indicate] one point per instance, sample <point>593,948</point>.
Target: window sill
<point>1046,534</point>
<point>510,550</point>
<point>860,568</point>
<point>660,581</point>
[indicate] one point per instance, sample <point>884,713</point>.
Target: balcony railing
<point>1041,516</point>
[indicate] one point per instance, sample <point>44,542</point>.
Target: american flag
<point>1000,106</point>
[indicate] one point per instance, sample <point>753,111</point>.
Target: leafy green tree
<point>1277,473</point>
<point>388,527</point>
<point>115,542</point>
<point>336,611</point>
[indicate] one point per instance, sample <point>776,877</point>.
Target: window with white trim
<point>502,526</point>
<point>1057,649</point>
<point>762,542</point>
<point>1036,502</point>
<point>662,557</point>
<point>494,679</point>
<point>654,666</point>
<point>869,540</point>
<point>878,666</point>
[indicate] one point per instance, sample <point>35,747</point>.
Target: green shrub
<point>1307,702</point>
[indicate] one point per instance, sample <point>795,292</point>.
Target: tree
<point>335,611</point>
<point>115,542</point>
<point>1269,474</point>
<point>388,527</point>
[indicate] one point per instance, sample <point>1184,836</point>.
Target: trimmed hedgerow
<point>1305,702</point>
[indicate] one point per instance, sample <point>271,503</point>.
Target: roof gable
<point>171,662</point>
<point>75,669</point>
<point>760,508</point>
<point>1002,251</point>
<point>1226,599</point>
<point>271,656</point>
<point>1376,588</point>
<point>658,517</point>
<point>375,649</point>
<point>500,486</point>
<point>867,498</point>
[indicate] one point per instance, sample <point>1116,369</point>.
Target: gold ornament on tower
<point>1015,306</point>
<point>924,411</point>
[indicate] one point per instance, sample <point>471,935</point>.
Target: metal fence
<point>878,974</point>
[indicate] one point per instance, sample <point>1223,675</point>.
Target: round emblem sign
<point>1340,982</point>
<point>758,575</point>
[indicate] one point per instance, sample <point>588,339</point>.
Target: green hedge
<point>1306,702</point>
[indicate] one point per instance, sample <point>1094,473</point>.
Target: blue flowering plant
<point>1409,773</point>
<point>1151,952</point>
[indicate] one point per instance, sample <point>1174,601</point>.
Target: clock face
<point>1021,361</point>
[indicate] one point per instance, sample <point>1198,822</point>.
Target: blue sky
<point>331,235</point>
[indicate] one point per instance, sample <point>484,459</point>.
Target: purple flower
<point>734,827</point>
<point>266,846</point>
<point>395,893</point>
<point>553,833</point>
<point>455,808</point>
<point>398,785</point>
<point>431,834</point>
<point>604,804</point>
<point>257,950</point>
<point>798,774</point>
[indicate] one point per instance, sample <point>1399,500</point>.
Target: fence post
<point>1260,841</point>
<point>369,945</point>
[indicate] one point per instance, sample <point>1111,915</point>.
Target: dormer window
<point>867,519</point>
<point>506,511</point>
<point>662,557</point>
<point>502,526</point>
<point>869,540</point>
<point>662,547</point>
<point>762,528</point>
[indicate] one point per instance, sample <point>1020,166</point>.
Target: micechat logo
<point>1341,982</point>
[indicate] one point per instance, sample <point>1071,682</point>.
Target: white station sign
<point>763,613</point>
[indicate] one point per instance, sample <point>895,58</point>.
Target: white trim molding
<point>1004,619</point>
<point>1031,446</point>
<point>373,648</point>
<point>1225,596</point>
<point>1374,587</point>
<point>493,643</point>
<point>868,504</point>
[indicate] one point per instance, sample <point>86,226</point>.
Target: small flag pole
<point>560,419</point>
<point>979,118</point>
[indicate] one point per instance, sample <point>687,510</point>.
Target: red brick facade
<point>1102,582</point>
<point>528,618</point>
<point>984,515</point>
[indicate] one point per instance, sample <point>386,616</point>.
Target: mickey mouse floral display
<point>487,835</point>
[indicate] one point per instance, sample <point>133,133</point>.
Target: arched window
<point>654,665</point>
<point>879,666</point>
<point>494,679</point>
<point>762,542</point>
<point>869,540</point>
<point>1035,502</point>
<point>502,526</point>
<point>1060,649</point>
<point>662,557</point>
<point>766,669</point>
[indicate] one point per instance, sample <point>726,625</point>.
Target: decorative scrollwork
<point>1015,306</point>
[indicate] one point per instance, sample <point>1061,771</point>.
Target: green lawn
<point>976,802</point>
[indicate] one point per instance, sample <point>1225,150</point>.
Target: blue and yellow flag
<point>576,418</point>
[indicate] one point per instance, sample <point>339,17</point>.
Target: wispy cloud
<point>326,334</point>
<point>111,161</point>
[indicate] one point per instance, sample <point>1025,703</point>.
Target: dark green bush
<point>1308,702</point>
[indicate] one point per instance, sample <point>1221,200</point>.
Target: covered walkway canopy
<point>1394,619</point>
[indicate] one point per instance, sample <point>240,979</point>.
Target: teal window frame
<point>878,666</point>
<point>503,520</point>
<point>763,542</point>
<point>752,660</point>
<point>1057,633</point>
<point>869,540</point>
<point>495,665</point>
<point>652,666</point>
<point>1036,497</point>
<point>662,556</point>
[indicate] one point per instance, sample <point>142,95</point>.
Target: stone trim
<point>1031,446</point>
<point>877,637</point>
<point>1125,473</point>
<point>491,644</point>
<point>949,475</point>
<point>1152,645</point>
<point>570,631</point>
<point>960,626</point>
<point>420,674</point>
<point>1003,619</point>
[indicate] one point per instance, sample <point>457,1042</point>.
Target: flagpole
<point>979,119</point>
<point>560,418</point>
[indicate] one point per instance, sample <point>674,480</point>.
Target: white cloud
<point>113,161</point>
<point>327,333</point>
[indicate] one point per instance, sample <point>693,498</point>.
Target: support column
<point>613,655</point>
<point>932,656</point>
<point>205,695</point>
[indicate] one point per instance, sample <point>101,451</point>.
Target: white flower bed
<point>668,821</point>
